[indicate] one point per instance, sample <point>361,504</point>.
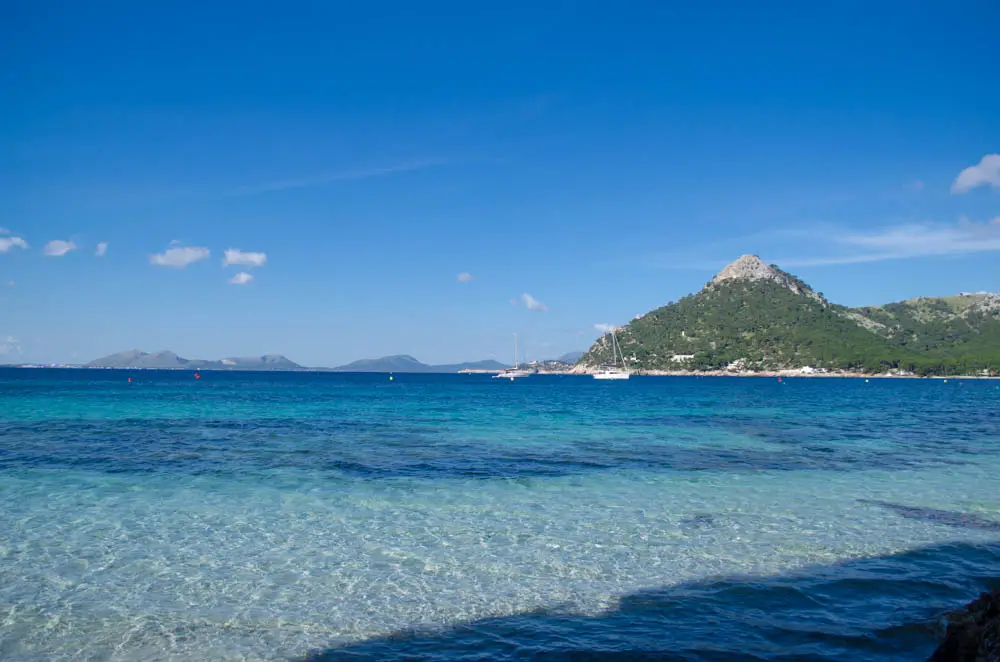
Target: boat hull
<point>611,375</point>
<point>510,375</point>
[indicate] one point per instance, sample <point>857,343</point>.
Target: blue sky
<point>602,159</point>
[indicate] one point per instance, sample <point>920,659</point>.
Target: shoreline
<point>745,373</point>
<point>575,371</point>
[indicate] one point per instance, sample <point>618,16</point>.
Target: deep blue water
<point>277,516</point>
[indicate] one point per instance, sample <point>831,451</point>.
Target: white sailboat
<point>613,371</point>
<point>515,372</point>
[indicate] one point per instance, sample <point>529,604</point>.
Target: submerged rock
<point>973,633</point>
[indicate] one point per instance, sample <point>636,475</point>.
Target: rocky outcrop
<point>973,633</point>
<point>751,267</point>
<point>990,305</point>
<point>865,322</point>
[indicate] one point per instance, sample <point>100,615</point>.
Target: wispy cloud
<point>465,277</point>
<point>531,303</point>
<point>906,241</point>
<point>7,243</point>
<point>9,345</point>
<point>243,258</point>
<point>984,173</point>
<point>58,247</point>
<point>916,186</point>
<point>102,249</point>
<point>605,328</point>
<point>179,256</point>
<point>339,176</point>
<point>242,278</point>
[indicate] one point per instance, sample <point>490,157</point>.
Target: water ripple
<point>261,516</point>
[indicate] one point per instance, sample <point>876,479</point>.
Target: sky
<point>333,181</point>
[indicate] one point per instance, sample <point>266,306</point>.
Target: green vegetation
<point>763,325</point>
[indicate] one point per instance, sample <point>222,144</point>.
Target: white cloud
<point>531,303</point>
<point>605,328</point>
<point>179,256</point>
<point>243,258</point>
<point>907,241</point>
<point>4,231</point>
<point>916,186</point>
<point>985,173</point>
<point>465,277</point>
<point>242,278</point>
<point>58,248</point>
<point>102,249</point>
<point>7,243</point>
<point>9,345</point>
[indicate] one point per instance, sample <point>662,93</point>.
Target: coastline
<point>573,371</point>
<point>748,373</point>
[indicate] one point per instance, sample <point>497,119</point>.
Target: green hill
<point>753,316</point>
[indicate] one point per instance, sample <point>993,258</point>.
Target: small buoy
<point>197,376</point>
<point>511,379</point>
<point>946,381</point>
<point>129,380</point>
<point>779,380</point>
<point>390,378</point>
<point>866,381</point>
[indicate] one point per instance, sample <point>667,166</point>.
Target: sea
<point>152,515</point>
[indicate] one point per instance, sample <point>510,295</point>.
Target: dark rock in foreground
<point>973,633</point>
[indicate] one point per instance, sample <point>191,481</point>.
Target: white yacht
<point>515,372</point>
<point>614,371</point>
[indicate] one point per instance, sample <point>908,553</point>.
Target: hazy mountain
<point>266,362</point>
<point>472,365</point>
<point>754,316</point>
<point>394,363</point>
<point>167,360</point>
<point>570,357</point>
<point>406,363</point>
<point>139,359</point>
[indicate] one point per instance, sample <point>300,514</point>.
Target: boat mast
<point>515,351</point>
<point>616,349</point>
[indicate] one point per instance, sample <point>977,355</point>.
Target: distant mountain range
<point>406,363</point>
<point>167,360</point>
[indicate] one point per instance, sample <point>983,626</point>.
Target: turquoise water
<point>292,515</point>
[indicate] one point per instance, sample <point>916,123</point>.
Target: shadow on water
<point>879,608</point>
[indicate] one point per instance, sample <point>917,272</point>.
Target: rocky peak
<point>747,267</point>
<point>751,267</point>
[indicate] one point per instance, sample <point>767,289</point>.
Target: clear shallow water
<point>269,517</point>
